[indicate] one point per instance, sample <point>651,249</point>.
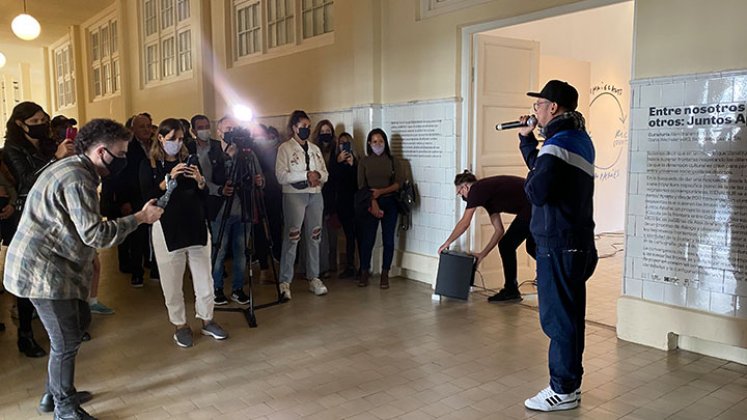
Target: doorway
<point>592,50</point>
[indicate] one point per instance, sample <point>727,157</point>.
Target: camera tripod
<point>252,202</point>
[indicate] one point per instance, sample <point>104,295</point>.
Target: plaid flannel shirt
<point>51,254</point>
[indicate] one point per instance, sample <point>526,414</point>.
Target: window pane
<point>115,76</point>
<point>104,41</point>
<point>151,53</point>
<point>168,57</point>
<point>308,24</point>
<point>107,79</point>
<point>328,17</point>
<point>182,10</point>
<point>167,13</point>
<point>114,36</point>
<point>185,51</point>
<point>95,45</point>
<point>150,17</point>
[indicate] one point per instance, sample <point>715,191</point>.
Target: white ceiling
<point>55,17</point>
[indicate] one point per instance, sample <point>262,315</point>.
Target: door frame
<point>467,117</point>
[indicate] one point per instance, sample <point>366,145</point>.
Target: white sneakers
<point>549,400</point>
<point>317,287</point>
<point>285,291</point>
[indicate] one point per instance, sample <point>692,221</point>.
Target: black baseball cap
<point>559,92</point>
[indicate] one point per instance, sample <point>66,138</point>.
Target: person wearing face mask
<point>379,172</point>
<point>29,149</point>
<point>181,236</point>
<point>210,156</point>
<point>496,194</point>
<point>49,259</point>
<point>126,195</point>
<point>344,176</point>
<point>323,136</point>
<point>301,171</point>
<point>236,228</point>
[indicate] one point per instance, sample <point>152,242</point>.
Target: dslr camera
<point>241,137</point>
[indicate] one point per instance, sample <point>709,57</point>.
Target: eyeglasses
<point>537,104</point>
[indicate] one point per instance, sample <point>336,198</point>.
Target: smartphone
<point>191,160</point>
<point>347,147</point>
<point>71,132</point>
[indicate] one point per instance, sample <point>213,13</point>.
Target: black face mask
<point>325,138</point>
<point>304,133</point>
<point>116,165</point>
<point>464,198</point>
<point>38,131</point>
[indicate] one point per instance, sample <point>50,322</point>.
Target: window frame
<point>265,51</point>
<point>104,81</point>
<point>180,19</point>
<point>63,64</point>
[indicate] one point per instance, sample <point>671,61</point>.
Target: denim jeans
<point>233,235</point>
<point>517,232</point>
<point>301,210</point>
<point>367,227</point>
<point>561,287</point>
<point>65,322</point>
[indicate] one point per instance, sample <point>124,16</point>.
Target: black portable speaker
<point>456,273</point>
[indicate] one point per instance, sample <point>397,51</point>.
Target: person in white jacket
<point>301,171</point>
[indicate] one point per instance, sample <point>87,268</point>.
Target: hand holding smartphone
<point>71,132</point>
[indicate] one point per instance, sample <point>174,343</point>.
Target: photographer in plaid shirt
<point>49,259</point>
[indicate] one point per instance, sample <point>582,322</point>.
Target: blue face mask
<point>378,149</point>
<point>304,133</point>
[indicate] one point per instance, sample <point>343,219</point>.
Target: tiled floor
<point>361,354</point>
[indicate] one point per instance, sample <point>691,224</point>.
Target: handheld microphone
<point>516,124</point>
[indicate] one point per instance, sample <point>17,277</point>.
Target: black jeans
<point>348,226</point>
<point>135,250</point>
<point>516,233</point>
<point>65,322</point>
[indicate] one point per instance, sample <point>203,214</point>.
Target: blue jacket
<point>560,184</point>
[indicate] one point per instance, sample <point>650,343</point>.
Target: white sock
<point>92,301</point>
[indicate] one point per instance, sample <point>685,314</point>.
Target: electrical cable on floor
<point>490,292</point>
<point>617,246</point>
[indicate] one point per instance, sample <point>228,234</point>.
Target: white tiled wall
<point>719,290</point>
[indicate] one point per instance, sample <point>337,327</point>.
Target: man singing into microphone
<point>560,186</point>
<point>496,194</point>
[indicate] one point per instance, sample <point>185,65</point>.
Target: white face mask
<point>203,135</point>
<point>378,149</point>
<point>172,147</point>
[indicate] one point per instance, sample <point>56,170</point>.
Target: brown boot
<point>384,279</point>
<point>363,280</point>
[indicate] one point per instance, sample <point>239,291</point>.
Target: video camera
<point>241,137</point>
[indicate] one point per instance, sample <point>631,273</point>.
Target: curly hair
<point>100,131</point>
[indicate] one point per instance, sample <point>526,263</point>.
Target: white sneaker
<point>549,400</point>
<point>317,287</point>
<point>285,291</point>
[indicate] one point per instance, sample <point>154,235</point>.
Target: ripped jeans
<point>301,211</point>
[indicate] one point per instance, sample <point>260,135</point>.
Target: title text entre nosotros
<point>695,115</point>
